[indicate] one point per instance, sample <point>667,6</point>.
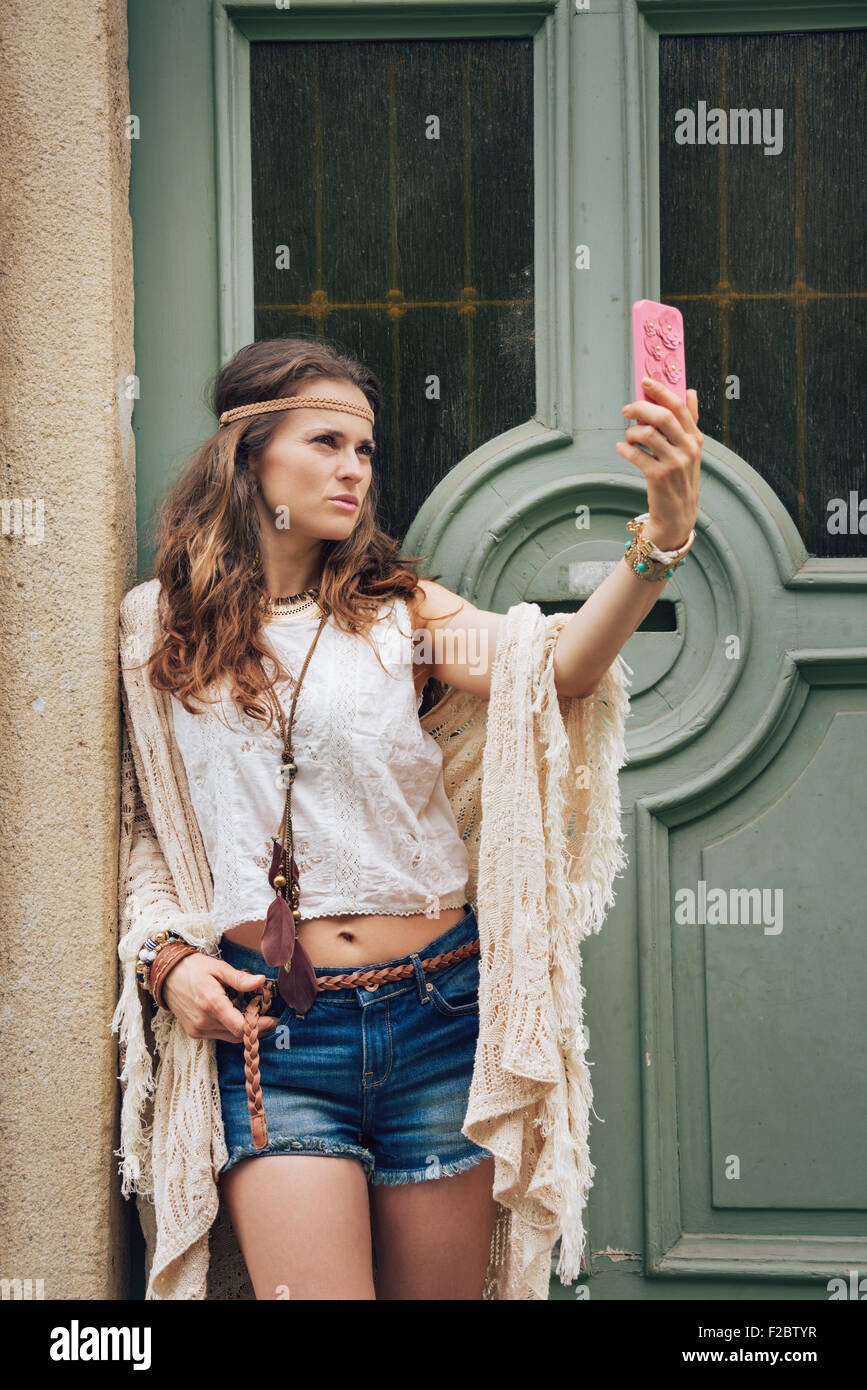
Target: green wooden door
<point>471,198</point>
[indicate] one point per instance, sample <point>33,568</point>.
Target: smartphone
<point>657,346</point>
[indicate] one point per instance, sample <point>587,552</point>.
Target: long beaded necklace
<point>296,980</point>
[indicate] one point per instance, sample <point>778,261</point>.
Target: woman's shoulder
<point>138,622</point>
<point>139,602</point>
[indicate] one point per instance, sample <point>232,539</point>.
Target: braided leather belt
<point>261,1001</point>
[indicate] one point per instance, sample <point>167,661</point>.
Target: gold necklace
<point>293,605</point>
<point>287,605</point>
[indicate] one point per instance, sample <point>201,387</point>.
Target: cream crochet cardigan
<point>532,779</point>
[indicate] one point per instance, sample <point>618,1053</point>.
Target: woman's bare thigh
<point>433,1238</point>
<point>303,1225</point>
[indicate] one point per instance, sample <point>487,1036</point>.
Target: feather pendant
<point>278,938</point>
<point>297,986</point>
<point>296,980</point>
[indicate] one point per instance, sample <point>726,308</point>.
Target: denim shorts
<point>380,1075</point>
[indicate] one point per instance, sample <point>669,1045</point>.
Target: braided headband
<point>239,412</point>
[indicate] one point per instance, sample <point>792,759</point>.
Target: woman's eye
<point>364,448</point>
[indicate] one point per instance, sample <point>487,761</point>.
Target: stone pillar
<point>67,555</point>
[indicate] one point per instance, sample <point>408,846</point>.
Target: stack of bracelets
<point>647,560</point>
<point>156,958</point>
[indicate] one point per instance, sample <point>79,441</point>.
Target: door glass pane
<point>764,255</point>
<point>399,178</point>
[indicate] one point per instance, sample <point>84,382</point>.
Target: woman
<point>363,1091</point>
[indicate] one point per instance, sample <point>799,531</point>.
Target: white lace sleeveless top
<point>373,828</point>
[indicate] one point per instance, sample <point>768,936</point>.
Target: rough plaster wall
<point>66,346</point>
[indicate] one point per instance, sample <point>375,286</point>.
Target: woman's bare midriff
<point>362,939</point>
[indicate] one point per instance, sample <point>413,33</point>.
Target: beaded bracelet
<point>147,955</point>
<point>646,559</point>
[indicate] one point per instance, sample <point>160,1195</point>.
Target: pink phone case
<point>657,347</point>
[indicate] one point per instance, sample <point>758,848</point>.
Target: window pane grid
<point>377,167</point>
<point>763,254</point>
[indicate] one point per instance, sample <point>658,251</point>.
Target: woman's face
<point>316,454</point>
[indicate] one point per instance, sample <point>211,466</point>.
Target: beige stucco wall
<point>66,347</point>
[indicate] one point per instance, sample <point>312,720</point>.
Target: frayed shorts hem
<point>394,1176</point>
<point>330,1148</point>
<point>327,1148</point>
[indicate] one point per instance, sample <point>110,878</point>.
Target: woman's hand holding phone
<point>666,442</point>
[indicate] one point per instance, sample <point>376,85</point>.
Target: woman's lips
<point>347,506</point>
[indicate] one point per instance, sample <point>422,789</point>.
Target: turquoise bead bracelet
<point>642,566</point>
<point>639,553</point>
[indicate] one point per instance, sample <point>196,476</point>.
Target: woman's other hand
<point>195,991</point>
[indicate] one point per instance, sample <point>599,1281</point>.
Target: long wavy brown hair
<point>208,535</point>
